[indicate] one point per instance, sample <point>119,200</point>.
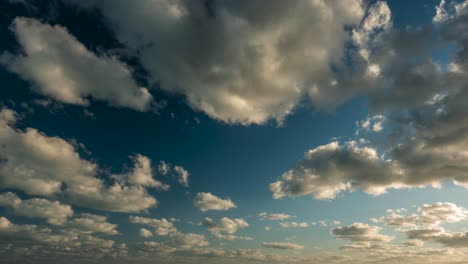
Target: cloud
<point>54,212</point>
<point>162,227</point>
<point>178,172</point>
<point>207,201</point>
<point>241,67</point>
<point>225,225</point>
<point>62,68</point>
<point>333,168</point>
<point>413,243</point>
<point>176,242</point>
<point>66,240</point>
<point>360,232</point>
<point>183,176</point>
<point>142,174</point>
<point>428,215</point>
<point>91,223</point>
<point>51,166</point>
<point>294,224</point>
<point>282,245</point>
<point>438,234</point>
<point>145,232</point>
<point>279,216</point>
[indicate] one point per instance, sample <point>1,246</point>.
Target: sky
<point>178,131</point>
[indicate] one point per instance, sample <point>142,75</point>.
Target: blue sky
<point>233,131</point>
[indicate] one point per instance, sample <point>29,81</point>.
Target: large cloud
<point>62,68</point>
<point>240,62</point>
<point>330,169</point>
<point>50,166</point>
<point>55,212</point>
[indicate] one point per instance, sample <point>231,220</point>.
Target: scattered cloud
<point>207,201</point>
<point>282,245</point>
<point>54,212</point>
<point>225,227</point>
<point>294,224</point>
<point>360,232</point>
<point>62,68</point>
<point>278,216</point>
<point>51,166</point>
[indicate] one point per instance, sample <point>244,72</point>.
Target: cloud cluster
<point>162,227</point>
<point>51,166</point>
<point>421,102</point>
<point>428,215</point>
<point>55,212</point>
<point>360,232</point>
<point>180,173</point>
<point>245,63</point>
<point>62,68</point>
<point>225,228</point>
<point>207,201</point>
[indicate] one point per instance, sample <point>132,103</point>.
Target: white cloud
<point>54,212</point>
<point>50,166</point>
<point>62,68</point>
<point>278,216</point>
<point>282,245</point>
<point>438,234</point>
<point>142,174</point>
<point>333,168</point>
<point>241,68</point>
<point>91,223</point>
<point>145,232</point>
<point>183,176</point>
<point>294,224</point>
<point>360,232</point>
<point>428,215</point>
<point>162,227</point>
<point>207,201</point>
<point>227,226</point>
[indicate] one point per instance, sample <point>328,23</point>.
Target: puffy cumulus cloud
<point>142,174</point>
<point>247,63</point>
<point>145,232</point>
<point>182,176</point>
<point>225,227</point>
<point>177,242</point>
<point>333,168</point>
<point>177,172</point>
<point>360,232</point>
<point>282,245</point>
<point>52,240</point>
<point>54,212</point>
<point>424,112</point>
<point>50,166</point>
<point>439,235</point>
<point>207,201</point>
<point>162,227</point>
<point>278,216</point>
<point>64,69</point>
<point>428,215</point>
<point>91,223</point>
<point>294,224</point>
